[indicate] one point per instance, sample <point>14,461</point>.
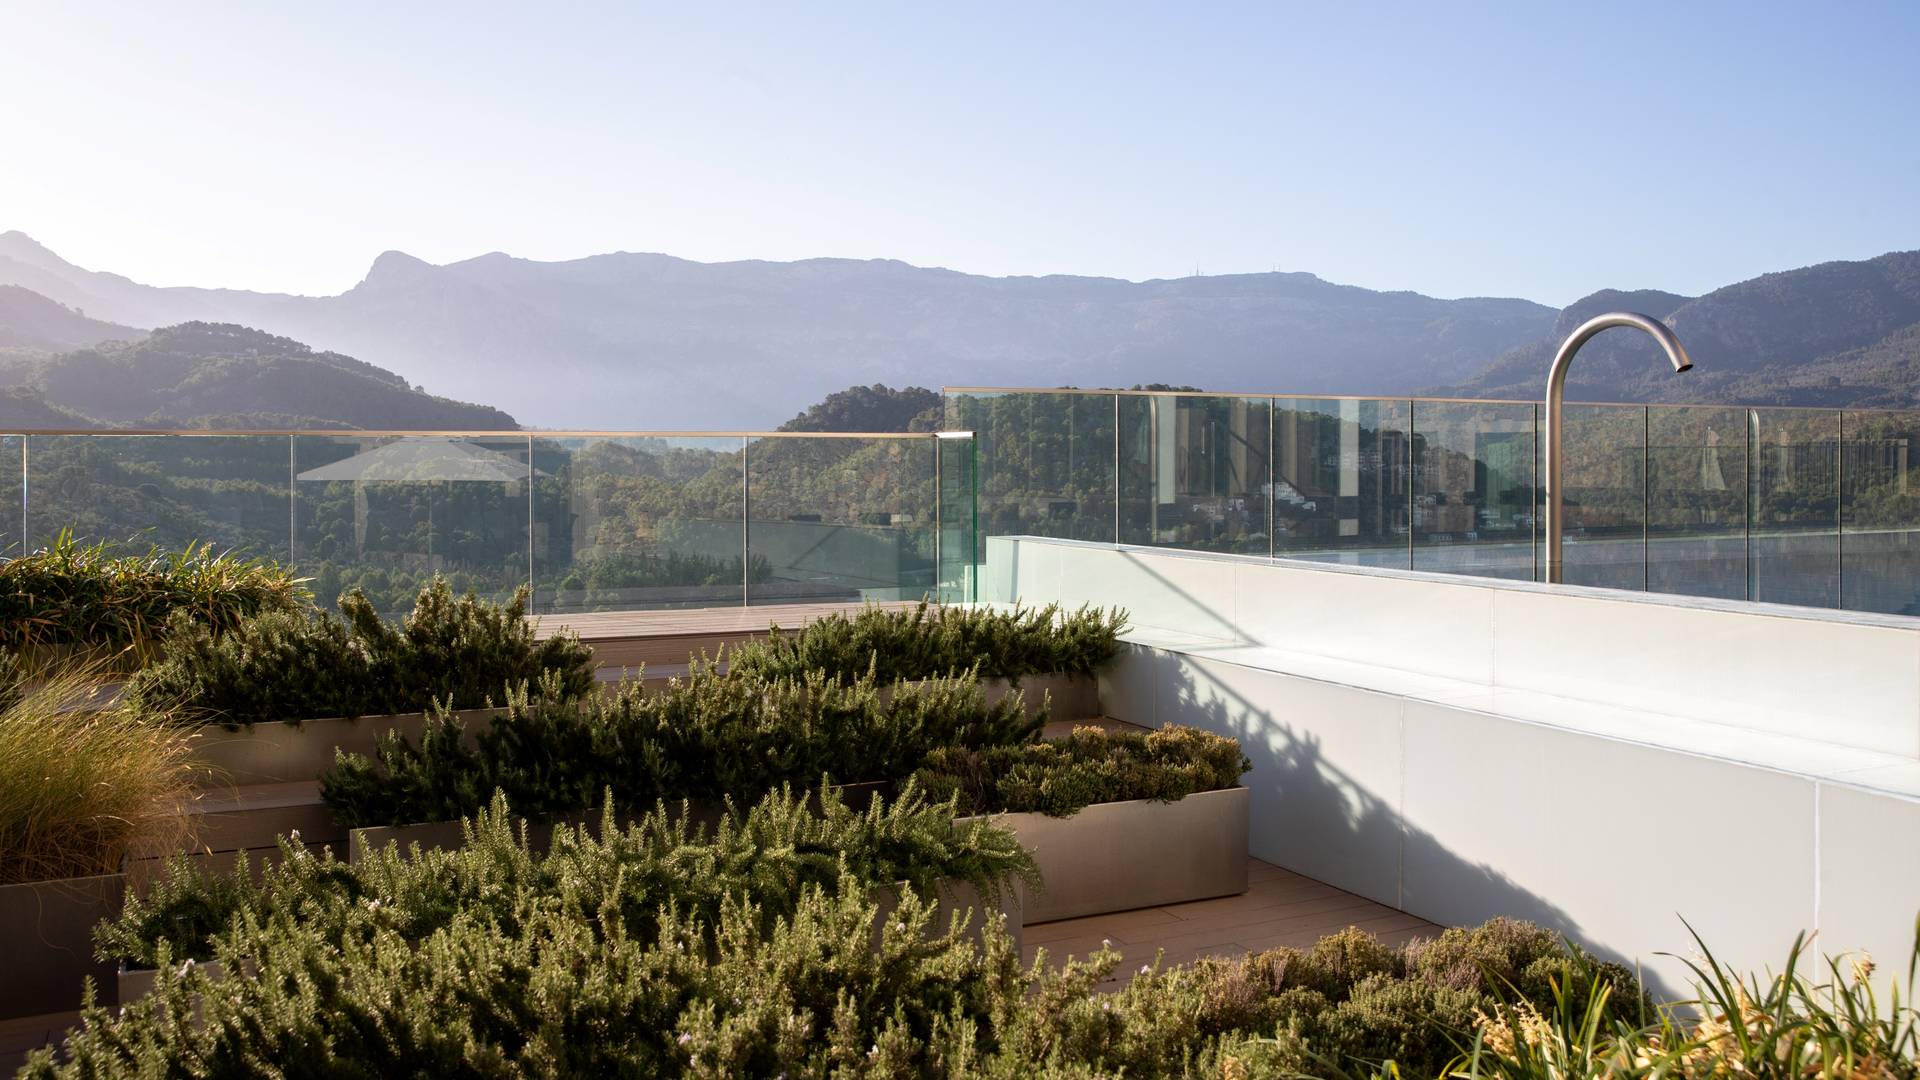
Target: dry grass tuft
<point>86,782</point>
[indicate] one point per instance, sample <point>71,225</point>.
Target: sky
<point>1543,151</point>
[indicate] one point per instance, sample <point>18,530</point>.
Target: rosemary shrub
<point>768,855</point>
<point>462,652</point>
<point>929,641</point>
<point>1092,765</point>
<point>705,736</point>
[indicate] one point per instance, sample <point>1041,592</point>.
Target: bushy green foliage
<point>98,598</point>
<point>769,854</point>
<point>928,641</point>
<point>705,736</point>
<point>558,975</point>
<point>462,652</point>
<point>1343,1006</point>
<point>1092,765</point>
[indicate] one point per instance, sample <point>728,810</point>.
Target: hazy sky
<point>1526,149</point>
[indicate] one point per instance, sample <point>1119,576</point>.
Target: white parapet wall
<point>1604,763</point>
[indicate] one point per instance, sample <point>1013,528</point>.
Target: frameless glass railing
<point>1814,507</point>
<point>593,521</point>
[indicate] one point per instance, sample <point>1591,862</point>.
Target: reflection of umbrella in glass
<point>418,460</point>
<point>423,460</point>
<point>1711,478</point>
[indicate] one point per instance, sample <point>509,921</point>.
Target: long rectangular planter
<point>1124,855</point>
<point>46,931</point>
<point>289,751</point>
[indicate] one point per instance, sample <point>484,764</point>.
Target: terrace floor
<point>1279,908</point>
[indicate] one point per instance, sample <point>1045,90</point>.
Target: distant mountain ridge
<point>1834,334</point>
<point>29,321</point>
<point>625,340</point>
<point>651,341</point>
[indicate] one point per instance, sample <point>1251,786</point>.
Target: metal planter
<point>1124,855</point>
<point>289,751</point>
<point>47,929</point>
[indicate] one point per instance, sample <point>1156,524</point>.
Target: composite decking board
<point>1278,908</point>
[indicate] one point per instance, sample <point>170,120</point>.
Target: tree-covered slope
<point>226,376</point>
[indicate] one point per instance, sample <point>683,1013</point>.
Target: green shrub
<point>1092,765</point>
<point>462,652</point>
<point>705,736</point>
<point>928,641</point>
<point>769,854</point>
<point>98,599</point>
<point>1341,1008</point>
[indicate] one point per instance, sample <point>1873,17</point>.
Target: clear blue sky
<point>1451,149</point>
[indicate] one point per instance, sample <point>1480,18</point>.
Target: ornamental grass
<point>85,781</point>
<point>98,600</point>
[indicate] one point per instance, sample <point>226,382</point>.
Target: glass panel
<point>1046,462</point>
<point>1473,506</point>
<point>166,490</point>
<point>1603,534</point>
<point>959,551</point>
<point>1880,512</point>
<point>1697,501</point>
<point>1195,472</point>
<point>1341,485</point>
<point>840,519</point>
<point>12,526</point>
<point>637,523</point>
<point>387,513</point>
<point>1794,549</point>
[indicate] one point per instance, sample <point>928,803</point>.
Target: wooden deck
<point>668,637</point>
<point>1279,908</point>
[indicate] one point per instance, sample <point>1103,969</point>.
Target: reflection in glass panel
<point>1195,472</point>
<point>840,519</point>
<point>636,523</point>
<point>1341,483</point>
<point>1603,529</point>
<point>12,527</point>
<point>958,543</point>
<point>1473,504</point>
<point>1880,512</point>
<point>1794,549</point>
<point>1046,462</point>
<point>167,490</point>
<point>387,513</point>
<point>1697,501</point>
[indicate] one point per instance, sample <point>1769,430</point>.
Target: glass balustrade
<point>1814,507</point>
<point>592,522</point>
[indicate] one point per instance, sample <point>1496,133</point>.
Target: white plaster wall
<point>1843,678</point>
<point>1458,816</point>
<point>1440,803</point>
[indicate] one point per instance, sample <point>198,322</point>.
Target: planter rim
<point>991,814</point>
<point>65,880</point>
<point>247,726</point>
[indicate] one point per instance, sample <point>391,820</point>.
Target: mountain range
<point>651,341</point>
<point>1836,334</point>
